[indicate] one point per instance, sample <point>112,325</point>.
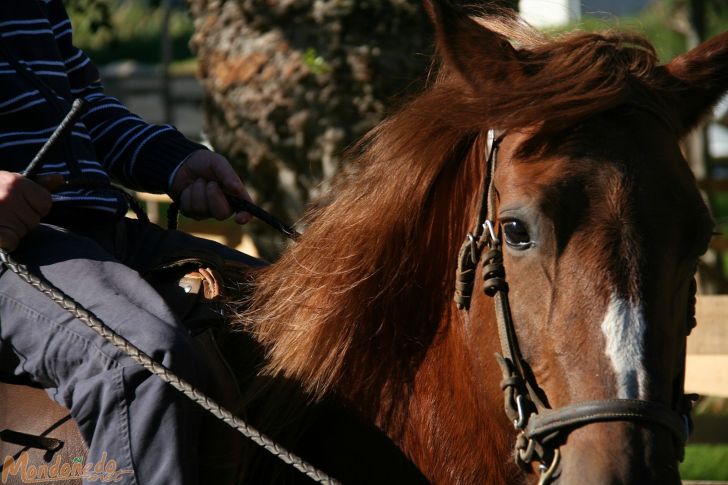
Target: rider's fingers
<point>216,167</point>
<point>35,196</point>
<point>193,201</point>
<point>50,182</point>
<point>199,206</point>
<point>185,201</point>
<point>9,239</point>
<point>216,202</point>
<point>186,205</point>
<point>243,217</point>
<point>213,166</point>
<point>22,205</point>
<point>13,227</point>
<point>23,219</point>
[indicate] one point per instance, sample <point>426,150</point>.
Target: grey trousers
<point>124,413</point>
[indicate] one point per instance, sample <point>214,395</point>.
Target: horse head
<point>601,226</point>
<point>558,160</point>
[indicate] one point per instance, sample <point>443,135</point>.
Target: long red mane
<point>360,308</point>
<point>355,304</point>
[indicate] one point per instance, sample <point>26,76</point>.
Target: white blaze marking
<point>624,329</point>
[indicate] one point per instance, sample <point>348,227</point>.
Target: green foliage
<point>93,15</point>
<point>132,29</point>
<point>705,462</point>
<point>314,62</point>
<point>660,24</point>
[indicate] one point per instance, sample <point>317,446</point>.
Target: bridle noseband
<point>542,430</point>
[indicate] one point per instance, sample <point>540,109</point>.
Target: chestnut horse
<point>602,226</point>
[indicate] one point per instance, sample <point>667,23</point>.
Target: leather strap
<point>30,440</point>
<point>539,425</point>
<point>472,247</point>
<point>549,423</point>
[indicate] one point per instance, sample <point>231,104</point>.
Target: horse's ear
<point>479,55</point>
<point>698,79</point>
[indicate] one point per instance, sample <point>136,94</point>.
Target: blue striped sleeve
<point>136,154</point>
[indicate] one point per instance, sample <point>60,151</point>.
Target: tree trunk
<point>289,84</point>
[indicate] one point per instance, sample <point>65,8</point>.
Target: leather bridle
<point>540,429</point>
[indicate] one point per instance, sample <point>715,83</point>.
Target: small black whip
<point>238,204</point>
<point>62,130</point>
<point>242,205</point>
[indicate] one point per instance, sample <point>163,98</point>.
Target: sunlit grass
<point>705,462</point>
<point>657,23</point>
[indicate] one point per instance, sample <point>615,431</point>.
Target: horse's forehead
<point>615,170</point>
<point>626,203</point>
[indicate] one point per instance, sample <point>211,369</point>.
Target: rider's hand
<point>199,183</point>
<point>23,203</point>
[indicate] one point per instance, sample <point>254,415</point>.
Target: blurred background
<point>283,87</point>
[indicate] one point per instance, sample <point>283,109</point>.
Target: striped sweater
<point>41,73</point>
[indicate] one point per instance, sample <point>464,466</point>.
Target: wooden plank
<point>707,375</point>
<point>706,370</point>
<point>147,197</point>
<point>711,334</point>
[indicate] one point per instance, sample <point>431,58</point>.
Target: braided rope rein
<point>136,354</point>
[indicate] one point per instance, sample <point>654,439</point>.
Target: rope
<point>209,405</point>
<point>136,354</point>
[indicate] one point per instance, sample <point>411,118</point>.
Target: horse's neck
<point>454,428</point>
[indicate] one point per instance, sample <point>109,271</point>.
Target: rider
<point>73,231</point>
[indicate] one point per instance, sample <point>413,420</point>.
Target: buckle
<point>491,237</point>
<point>522,420</point>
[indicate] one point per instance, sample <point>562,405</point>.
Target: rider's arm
<point>138,155</point>
<point>141,156</point>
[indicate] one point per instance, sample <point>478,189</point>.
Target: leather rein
<point>541,430</point>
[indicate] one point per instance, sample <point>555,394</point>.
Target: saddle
<point>38,437</point>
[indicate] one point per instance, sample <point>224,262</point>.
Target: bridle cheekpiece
<point>541,430</point>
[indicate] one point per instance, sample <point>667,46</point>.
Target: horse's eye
<point>516,235</point>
